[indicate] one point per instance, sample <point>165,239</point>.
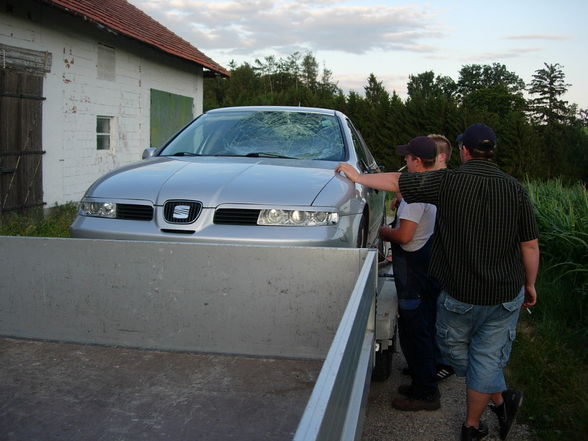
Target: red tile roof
<point>124,18</point>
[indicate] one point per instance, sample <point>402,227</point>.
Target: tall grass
<point>37,222</point>
<point>562,215</point>
<point>550,357</point>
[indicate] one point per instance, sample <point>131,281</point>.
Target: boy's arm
<point>402,235</point>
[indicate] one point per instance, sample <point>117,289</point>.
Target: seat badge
<point>181,212</point>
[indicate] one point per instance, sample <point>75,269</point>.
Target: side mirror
<point>149,152</point>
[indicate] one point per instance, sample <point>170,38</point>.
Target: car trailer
<point>128,340</point>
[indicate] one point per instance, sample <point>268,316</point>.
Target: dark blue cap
<point>421,147</point>
<point>478,136</point>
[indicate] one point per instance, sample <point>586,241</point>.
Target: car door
<point>375,198</point>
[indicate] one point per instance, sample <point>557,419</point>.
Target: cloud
<point>244,27</point>
<point>537,37</point>
<point>484,57</point>
<point>511,53</point>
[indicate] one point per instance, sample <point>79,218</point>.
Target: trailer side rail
<point>336,407</point>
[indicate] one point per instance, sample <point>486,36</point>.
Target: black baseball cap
<point>421,147</point>
<point>478,136</point>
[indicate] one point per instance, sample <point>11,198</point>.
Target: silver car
<point>249,175</point>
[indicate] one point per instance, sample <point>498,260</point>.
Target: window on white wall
<point>104,128</point>
<point>106,62</point>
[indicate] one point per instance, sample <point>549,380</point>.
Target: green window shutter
<point>169,113</point>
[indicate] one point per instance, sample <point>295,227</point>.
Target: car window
<point>367,161</point>
<point>299,135</point>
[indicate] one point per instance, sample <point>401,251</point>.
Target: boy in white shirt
<point>411,243</point>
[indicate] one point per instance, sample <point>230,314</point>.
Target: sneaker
<point>444,372</point>
<point>409,403</point>
<point>507,411</point>
<point>474,434</point>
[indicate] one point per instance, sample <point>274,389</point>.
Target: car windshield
<point>281,134</point>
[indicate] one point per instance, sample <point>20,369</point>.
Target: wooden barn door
<point>21,150</point>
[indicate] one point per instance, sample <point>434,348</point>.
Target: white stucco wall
<point>75,96</point>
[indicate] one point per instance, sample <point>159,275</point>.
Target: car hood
<point>215,181</point>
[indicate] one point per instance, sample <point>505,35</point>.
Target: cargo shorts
<point>477,340</point>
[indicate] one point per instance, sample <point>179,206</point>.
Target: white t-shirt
<point>424,216</point>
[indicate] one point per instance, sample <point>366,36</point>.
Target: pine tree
<point>549,85</point>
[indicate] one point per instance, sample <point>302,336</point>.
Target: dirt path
<point>383,423</point>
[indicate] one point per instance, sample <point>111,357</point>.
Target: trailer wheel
<point>383,366</point>
<point>383,363</point>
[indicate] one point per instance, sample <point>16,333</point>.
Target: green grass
<point>550,356</point>
<point>549,363</point>
<point>55,223</point>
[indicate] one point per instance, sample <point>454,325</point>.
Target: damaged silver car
<point>250,175</point>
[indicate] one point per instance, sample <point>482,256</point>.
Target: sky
<point>391,39</point>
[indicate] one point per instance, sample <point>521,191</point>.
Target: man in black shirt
<point>486,257</point>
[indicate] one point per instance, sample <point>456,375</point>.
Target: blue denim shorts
<point>477,340</point>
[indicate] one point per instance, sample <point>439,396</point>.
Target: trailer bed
<point>59,391</point>
<point>274,306</point>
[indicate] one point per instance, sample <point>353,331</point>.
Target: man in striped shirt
<point>486,257</point>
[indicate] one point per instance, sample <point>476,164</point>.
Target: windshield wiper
<point>183,154</point>
<point>267,155</point>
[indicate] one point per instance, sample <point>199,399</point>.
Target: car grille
<point>181,212</point>
<point>235,216</point>
<point>134,212</point>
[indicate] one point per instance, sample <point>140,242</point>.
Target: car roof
<point>276,109</point>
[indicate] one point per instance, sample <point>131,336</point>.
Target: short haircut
<point>480,153</point>
<point>443,145</point>
<point>428,163</point>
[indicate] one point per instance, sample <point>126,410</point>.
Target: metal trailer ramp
<point>172,341</point>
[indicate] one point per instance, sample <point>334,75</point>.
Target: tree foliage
<point>548,85</point>
<point>539,138</point>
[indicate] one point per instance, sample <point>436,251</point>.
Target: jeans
<point>476,340</point>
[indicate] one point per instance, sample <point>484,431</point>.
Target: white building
<point>85,86</point>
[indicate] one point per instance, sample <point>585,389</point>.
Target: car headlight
<point>297,218</point>
<point>97,209</point>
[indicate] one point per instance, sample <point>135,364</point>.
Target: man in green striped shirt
<point>486,256</point>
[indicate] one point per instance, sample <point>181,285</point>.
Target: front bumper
<point>204,231</point>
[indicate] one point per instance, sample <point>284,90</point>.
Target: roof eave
<point>212,67</point>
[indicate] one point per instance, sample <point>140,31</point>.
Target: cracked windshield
<point>293,135</point>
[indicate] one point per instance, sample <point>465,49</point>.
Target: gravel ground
<point>383,423</point>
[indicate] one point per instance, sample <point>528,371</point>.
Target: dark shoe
<point>444,372</point>
<point>409,403</point>
<point>405,389</point>
<point>507,411</point>
<point>473,434</point>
